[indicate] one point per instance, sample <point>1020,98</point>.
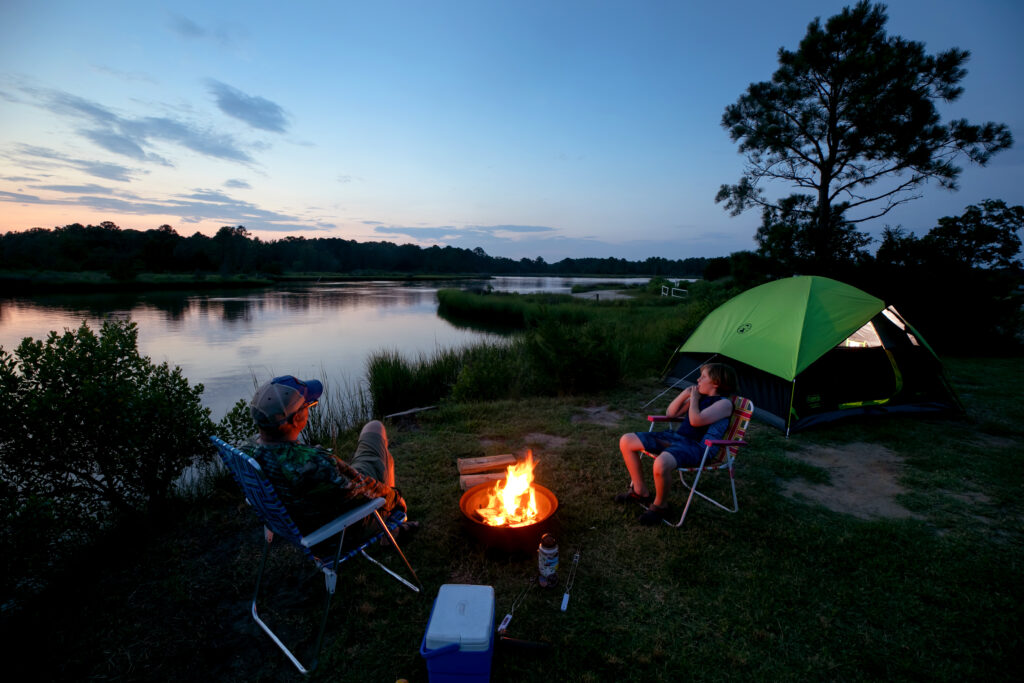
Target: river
<point>231,340</point>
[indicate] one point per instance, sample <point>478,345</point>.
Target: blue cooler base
<point>451,665</point>
<point>454,663</point>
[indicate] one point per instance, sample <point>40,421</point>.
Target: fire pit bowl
<point>509,539</point>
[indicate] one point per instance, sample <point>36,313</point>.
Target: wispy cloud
<point>33,156</point>
<point>254,110</point>
<point>448,232</point>
<point>19,198</point>
<point>117,143</point>
<point>237,184</point>
<point>184,27</point>
<point>197,206</point>
<point>209,143</point>
<point>91,188</point>
<point>127,76</point>
<point>134,138</point>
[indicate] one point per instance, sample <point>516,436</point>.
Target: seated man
<point>313,484</point>
<point>703,412</point>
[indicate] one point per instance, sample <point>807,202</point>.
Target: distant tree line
<point>124,253</point>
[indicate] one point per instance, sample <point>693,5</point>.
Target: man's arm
<point>362,485</point>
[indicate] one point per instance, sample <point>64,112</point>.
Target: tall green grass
<point>396,383</point>
<point>564,345</point>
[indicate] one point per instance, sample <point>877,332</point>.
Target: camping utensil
<point>572,577</point>
<point>503,626</point>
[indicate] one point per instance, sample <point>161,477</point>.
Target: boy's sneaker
<point>653,515</point>
<point>629,495</point>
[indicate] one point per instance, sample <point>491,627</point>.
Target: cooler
<point>459,640</point>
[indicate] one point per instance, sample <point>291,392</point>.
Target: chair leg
<point>693,490</point>
<point>394,543</point>
<point>330,580</point>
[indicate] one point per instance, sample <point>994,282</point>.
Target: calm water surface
<point>225,339</point>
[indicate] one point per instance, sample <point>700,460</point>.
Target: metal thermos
<point>547,561</point>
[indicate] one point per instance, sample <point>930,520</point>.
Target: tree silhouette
<point>851,118</point>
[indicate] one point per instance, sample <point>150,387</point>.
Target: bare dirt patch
<point>864,480</point>
<point>548,442</point>
<point>533,440</point>
<point>988,441</point>
<point>601,415</point>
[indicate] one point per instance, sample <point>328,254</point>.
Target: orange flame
<point>512,502</point>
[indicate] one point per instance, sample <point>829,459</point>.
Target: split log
<point>468,481</point>
<point>486,463</point>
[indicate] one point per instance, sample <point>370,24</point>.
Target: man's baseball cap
<point>279,399</point>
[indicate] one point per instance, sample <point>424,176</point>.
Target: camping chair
<point>728,448</point>
<point>264,500</point>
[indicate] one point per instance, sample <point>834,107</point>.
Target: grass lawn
<point>872,550</point>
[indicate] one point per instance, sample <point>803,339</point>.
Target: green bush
<point>237,426</point>
<point>92,432</point>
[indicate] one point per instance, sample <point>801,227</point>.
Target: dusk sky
<point>528,128</point>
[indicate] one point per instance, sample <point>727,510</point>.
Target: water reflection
<point>226,338</point>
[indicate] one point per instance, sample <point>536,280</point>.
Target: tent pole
<point>676,383</point>
<point>789,415</point>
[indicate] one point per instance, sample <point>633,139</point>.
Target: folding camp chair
<point>728,448</point>
<point>264,500</point>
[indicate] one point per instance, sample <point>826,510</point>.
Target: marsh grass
<point>396,384</point>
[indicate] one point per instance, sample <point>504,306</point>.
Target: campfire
<point>512,502</point>
<point>509,513</point>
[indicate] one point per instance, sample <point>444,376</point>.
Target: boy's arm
<point>679,404</point>
<point>713,413</point>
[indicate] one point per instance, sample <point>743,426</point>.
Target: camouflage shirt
<point>315,486</point>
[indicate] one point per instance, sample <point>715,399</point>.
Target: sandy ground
<point>864,480</point>
<point>864,477</point>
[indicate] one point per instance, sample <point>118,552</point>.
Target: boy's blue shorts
<point>686,452</point>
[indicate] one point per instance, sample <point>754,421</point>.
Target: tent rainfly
<point>810,350</point>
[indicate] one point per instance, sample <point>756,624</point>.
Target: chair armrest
<point>345,521</point>
<point>661,418</point>
<point>722,442</point>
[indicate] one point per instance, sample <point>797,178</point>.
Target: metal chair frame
<point>743,410</point>
<point>260,495</point>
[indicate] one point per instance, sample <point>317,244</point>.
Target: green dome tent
<point>810,350</point>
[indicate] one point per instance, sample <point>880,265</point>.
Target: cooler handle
<point>428,654</point>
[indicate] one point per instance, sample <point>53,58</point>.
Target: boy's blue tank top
<point>715,430</point>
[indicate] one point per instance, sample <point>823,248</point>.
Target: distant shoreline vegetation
<point>21,282</point>
<point>44,282</point>
<point>105,257</point>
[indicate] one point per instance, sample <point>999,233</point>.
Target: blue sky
<point>528,128</point>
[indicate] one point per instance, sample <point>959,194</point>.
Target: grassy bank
<point>924,588</point>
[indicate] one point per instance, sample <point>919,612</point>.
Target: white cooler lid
<point>463,614</point>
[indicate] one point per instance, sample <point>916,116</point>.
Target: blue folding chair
<point>260,494</point>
